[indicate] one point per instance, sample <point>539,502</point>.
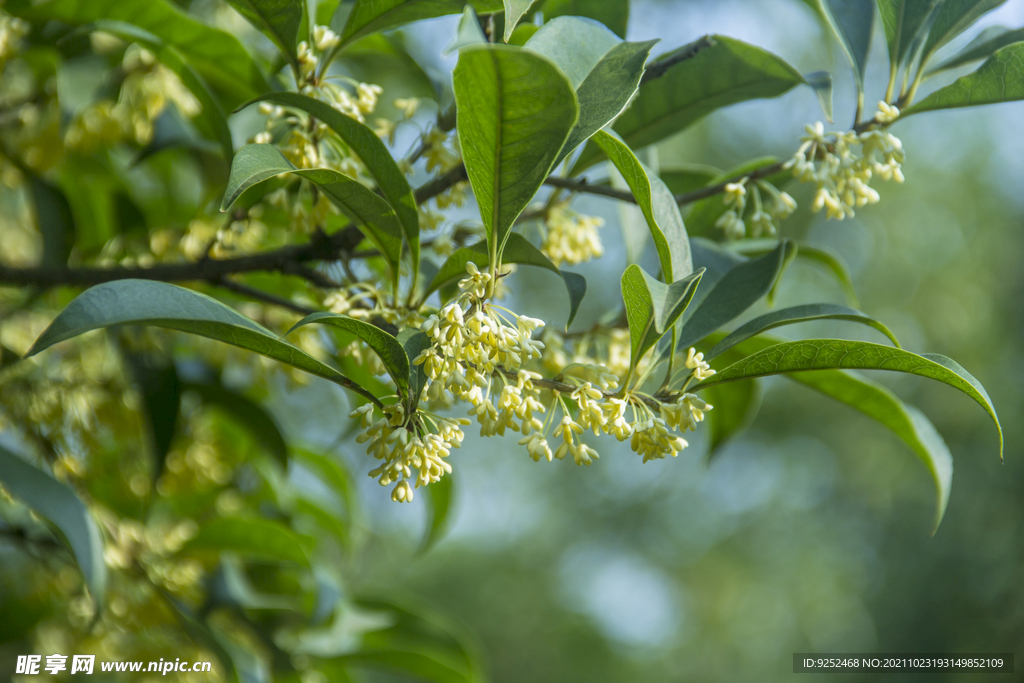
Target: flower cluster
<point>764,217</point>
<point>405,443</point>
<point>148,88</point>
<point>571,237</point>
<point>12,30</point>
<point>841,173</point>
<point>480,354</point>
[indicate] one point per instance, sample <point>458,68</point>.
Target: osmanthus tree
<point>122,178</point>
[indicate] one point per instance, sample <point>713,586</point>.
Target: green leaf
<point>144,302</point>
<point>982,47</point>
<point>375,216</point>
<point>821,84</point>
<point>824,256</point>
<point>247,412</point>
<point>279,20</point>
<point>439,505</point>
<point>55,220</point>
<point>218,56</point>
<point>736,405</point>
<point>831,354</point>
<point>468,32</point>
<point>738,289</point>
<point>878,403</point>
<point>953,17</point>
<point>652,307</point>
<point>375,157</point>
<point>908,423</point>
<point>383,344</point>
<point>903,21</point>
<point>604,71</point>
<point>57,504</point>
<point>999,79</point>
<point>258,538</point>
<point>514,11</point>
<point>517,250</point>
<point>414,342</point>
<point>798,314</point>
<point>368,16</point>
<point>516,110</point>
<point>160,389</point>
<point>614,15</point>
<point>852,22</point>
<point>658,206</point>
<point>728,72</point>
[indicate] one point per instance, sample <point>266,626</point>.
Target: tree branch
<point>658,68</point>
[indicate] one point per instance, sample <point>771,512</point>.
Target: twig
<point>658,68</point>
<point>260,295</point>
<point>583,186</point>
<point>711,191</point>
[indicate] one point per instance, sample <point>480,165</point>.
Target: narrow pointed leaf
<point>614,15</point>
<point>368,16</point>
<point>652,307</point>
<point>145,302</point>
<point>160,389</point>
<point>824,256</point>
<point>515,112</point>
<point>821,84</point>
<point>375,216</point>
<point>383,344</point>
<point>953,17</point>
<point>982,47</point>
<point>836,354</point>
<point>999,79</point>
<point>55,220</point>
<point>726,73</point>
<point>738,289</point>
<point>468,32</point>
<point>604,71</point>
<point>375,157</point>
<point>852,22</point>
<point>798,314</point>
<point>218,56</point>
<point>279,20</point>
<point>439,497</point>
<point>908,423</point>
<point>514,11</point>
<point>414,342</point>
<point>903,21</point>
<point>658,206</point>
<point>57,504</point>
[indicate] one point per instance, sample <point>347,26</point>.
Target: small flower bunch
<point>571,237</point>
<point>404,443</point>
<point>843,176</point>
<point>764,217</point>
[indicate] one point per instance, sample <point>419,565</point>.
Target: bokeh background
<point>810,532</point>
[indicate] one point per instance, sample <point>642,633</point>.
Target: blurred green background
<point>810,532</point>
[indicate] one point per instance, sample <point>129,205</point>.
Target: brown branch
<point>266,297</point>
<point>705,192</point>
<point>660,67</point>
<point>584,187</point>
